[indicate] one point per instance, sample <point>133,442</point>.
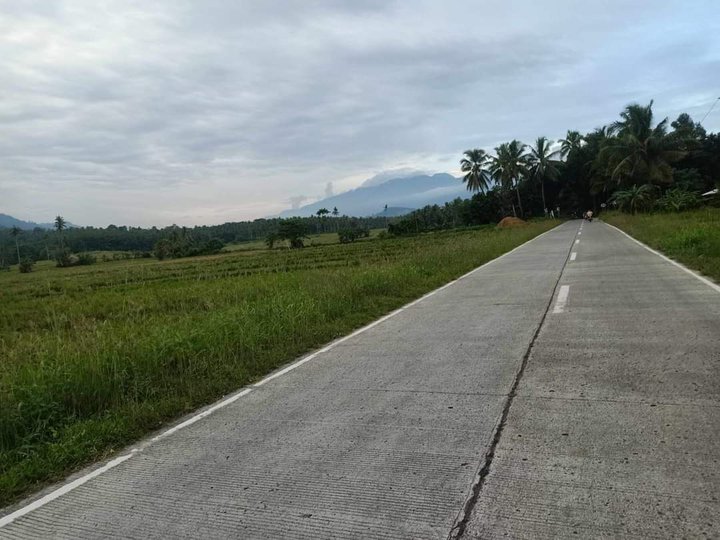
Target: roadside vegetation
<point>96,357</point>
<point>65,243</point>
<point>636,164</point>
<point>692,238</point>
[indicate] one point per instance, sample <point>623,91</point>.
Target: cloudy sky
<point>172,111</point>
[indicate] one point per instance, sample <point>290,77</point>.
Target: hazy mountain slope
<point>9,222</point>
<point>412,192</point>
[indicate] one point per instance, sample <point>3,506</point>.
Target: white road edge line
<point>573,255</point>
<point>63,490</point>
<point>200,416</point>
<point>705,280</point>
<point>6,520</point>
<point>562,299</point>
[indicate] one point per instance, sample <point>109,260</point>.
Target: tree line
<point>633,164</point>
<point>68,243</point>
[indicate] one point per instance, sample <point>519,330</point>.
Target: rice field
<point>95,357</point>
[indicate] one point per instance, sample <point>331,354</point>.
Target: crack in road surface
<point>461,522</point>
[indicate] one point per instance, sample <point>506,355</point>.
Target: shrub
<point>63,258</point>
<point>270,240</point>
<point>294,231</point>
<point>26,266</point>
<point>350,235</point>
<point>678,199</point>
<point>85,259</point>
<point>186,246</point>
<point>635,199</point>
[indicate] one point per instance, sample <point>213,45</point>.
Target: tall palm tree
<point>638,151</point>
<point>474,164</point>
<point>509,167</point>
<point>572,141</point>
<point>60,225</point>
<point>15,232</point>
<point>542,165</point>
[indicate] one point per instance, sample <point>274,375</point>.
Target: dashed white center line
<point>579,233</point>
<point>577,241</point>
<point>573,255</point>
<point>562,299</point>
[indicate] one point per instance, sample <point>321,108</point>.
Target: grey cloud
<point>256,102</point>
<point>296,201</point>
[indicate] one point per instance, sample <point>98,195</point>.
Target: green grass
<point>95,357</point>
<point>692,238</point>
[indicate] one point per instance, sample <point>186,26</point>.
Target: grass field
<point>692,238</point>
<point>95,357</point>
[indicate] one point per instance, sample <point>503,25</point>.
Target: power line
<point>710,110</point>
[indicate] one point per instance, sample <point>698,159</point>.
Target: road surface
<point>568,389</point>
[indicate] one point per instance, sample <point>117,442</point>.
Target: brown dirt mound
<point>511,222</point>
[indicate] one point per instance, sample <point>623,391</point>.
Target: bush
<point>635,199</point>
<point>678,199</point>
<point>270,240</point>
<point>185,245</point>
<point>63,258</point>
<point>294,231</point>
<point>85,259</point>
<point>350,235</point>
<point>26,266</point>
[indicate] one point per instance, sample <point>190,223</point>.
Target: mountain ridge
<point>406,192</point>
<point>7,222</point>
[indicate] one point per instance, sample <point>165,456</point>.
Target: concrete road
<point>565,390</point>
<point>615,429</point>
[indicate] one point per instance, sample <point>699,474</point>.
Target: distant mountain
<point>405,193</point>
<point>7,222</point>
<point>392,174</point>
<point>392,211</point>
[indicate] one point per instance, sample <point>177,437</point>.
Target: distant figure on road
<point>588,215</point>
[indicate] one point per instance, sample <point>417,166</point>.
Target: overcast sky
<point>170,111</point>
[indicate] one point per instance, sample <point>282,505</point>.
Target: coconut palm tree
<point>542,165</point>
<point>60,227</point>
<point>634,198</point>
<point>638,151</point>
<point>509,167</point>
<point>474,164</point>
<point>15,232</point>
<point>572,141</point>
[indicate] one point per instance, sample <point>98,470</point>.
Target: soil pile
<point>511,222</point>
